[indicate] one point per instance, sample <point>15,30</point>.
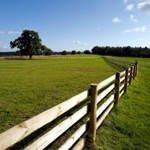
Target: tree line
<point>126,51</point>
<point>29,43</point>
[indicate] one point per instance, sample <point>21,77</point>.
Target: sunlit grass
<point>28,87</point>
<point>127,127</point>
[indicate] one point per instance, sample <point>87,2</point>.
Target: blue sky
<point>77,24</point>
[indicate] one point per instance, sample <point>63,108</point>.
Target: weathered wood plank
<point>104,115</point>
<point>129,69</point>
<point>22,130</point>
<point>122,73</point>
<point>106,82</point>
<point>69,143</point>
<point>126,81</point>
<point>121,93</point>
<point>131,75</point>
<point>105,92</point>
<point>80,144</point>
<point>104,105</point>
<point>134,70</point>
<point>53,134</point>
<point>121,87</point>
<point>122,79</point>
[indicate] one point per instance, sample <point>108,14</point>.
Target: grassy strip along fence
<point>123,64</point>
<point>102,98</point>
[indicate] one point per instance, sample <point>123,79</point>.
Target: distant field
<point>77,56</point>
<point>128,127</point>
<point>28,87</point>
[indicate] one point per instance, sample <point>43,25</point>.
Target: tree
<point>18,53</point>
<point>87,52</point>
<point>28,43</point>
<point>78,52</point>
<point>45,50</point>
<point>122,51</point>
<point>73,52</point>
<point>95,50</point>
<point>64,52</point>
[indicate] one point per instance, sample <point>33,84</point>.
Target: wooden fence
<point>52,57</point>
<point>102,97</point>
<point>123,64</point>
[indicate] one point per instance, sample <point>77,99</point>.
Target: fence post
<point>133,72</point>
<point>136,64</point>
<point>117,87</point>
<point>130,78</point>
<point>93,108</point>
<point>126,80</point>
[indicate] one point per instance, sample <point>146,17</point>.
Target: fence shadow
<point>115,66</point>
<point>83,113</point>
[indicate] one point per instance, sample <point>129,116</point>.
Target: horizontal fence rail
<point>123,64</point>
<point>97,103</point>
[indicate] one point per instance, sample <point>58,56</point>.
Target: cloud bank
<point>133,19</point>
<point>130,7</point>
<point>144,6</point>
<point>137,29</point>
<point>14,33</point>
<point>117,20</point>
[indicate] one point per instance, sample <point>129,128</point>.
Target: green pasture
<point>28,87</point>
<point>128,126</point>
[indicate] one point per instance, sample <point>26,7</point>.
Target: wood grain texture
<point>19,132</point>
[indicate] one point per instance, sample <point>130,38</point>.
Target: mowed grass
<point>128,126</point>
<point>29,87</point>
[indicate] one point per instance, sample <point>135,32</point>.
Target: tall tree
<point>73,52</point>
<point>45,50</point>
<point>64,52</point>
<point>28,43</point>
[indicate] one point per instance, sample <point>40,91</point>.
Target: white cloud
<point>4,47</point>
<point>11,32</point>
<point>85,44</point>
<point>77,42</point>
<point>144,6</point>
<point>98,29</point>
<point>80,43</point>
<point>1,32</point>
<point>117,20</point>
<point>133,19</point>
<point>141,40</point>
<point>130,7</point>
<point>125,1</point>
<point>144,28</point>
<point>14,32</point>
<point>138,29</point>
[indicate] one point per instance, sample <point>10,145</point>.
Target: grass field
<point>28,87</point>
<point>128,126</point>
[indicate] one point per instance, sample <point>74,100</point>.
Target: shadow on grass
<point>62,138</point>
<point>115,66</point>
